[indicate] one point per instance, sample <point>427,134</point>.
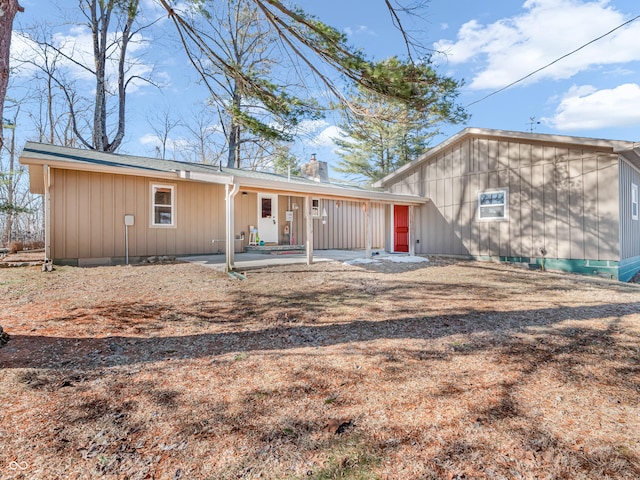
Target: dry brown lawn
<point>453,370</point>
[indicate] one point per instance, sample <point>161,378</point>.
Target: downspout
<point>309,229</point>
<point>230,194</point>
<point>47,213</point>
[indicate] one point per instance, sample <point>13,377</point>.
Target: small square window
<point>315,207</point>
<point>162,205</point>
<point>634,201</point>
<point>493,205</point>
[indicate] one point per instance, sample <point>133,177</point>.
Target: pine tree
<point>381,134</point>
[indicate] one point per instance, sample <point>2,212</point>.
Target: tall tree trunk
<point>8,10</point>
<point>233,160</point>
<point>11,186</point>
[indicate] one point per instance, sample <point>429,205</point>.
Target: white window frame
<point>634,201</point>
<point>315,207</point>
<point>505,216</point>
<point>153,188</point>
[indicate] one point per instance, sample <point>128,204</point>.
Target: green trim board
<point>599,268</point>
<point>628,268</point>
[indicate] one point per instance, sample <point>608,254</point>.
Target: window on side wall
<point>163,201</point>
<point>634,201</point>
<point>493,205</point>
<point>315,207</point>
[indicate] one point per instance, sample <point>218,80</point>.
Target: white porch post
<point>47,212</point>
<point>412,231</point>
<point>309,229</point>
<point>368,227</point>
<point>230,194</point>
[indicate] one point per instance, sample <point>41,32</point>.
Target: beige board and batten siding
<point>629,226</point>
<point>345,226</point>
<point>563,199</point>
<point>88,217</point>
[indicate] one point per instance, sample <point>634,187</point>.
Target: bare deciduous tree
<point>205,144</point>
<point>163,123</point>
<point>113,27</point>
<point>8,11</point>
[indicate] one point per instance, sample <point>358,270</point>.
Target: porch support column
<point>368,227</point>
<point>309,229</point>
<point>47,212</point>
<point>412,231</point>
<point>230,193</point>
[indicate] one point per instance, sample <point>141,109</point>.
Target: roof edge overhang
<point>632,155</point>
<point>119,170</point>
<point>612,146</point>
<point>319,189</point>
<point>284,187</point>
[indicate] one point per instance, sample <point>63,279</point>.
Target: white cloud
<point>360,30</point>
<point>585,107</point>
<point>309,128</point>
<point>76,43</point>
<point>326,136</point>
<point>513,47</point>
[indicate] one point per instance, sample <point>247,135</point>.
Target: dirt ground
<point>446,370</point>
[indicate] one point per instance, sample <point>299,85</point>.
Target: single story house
<point>566,203</point>
<point>103,208</point>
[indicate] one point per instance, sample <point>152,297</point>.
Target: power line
<point>555,61</point>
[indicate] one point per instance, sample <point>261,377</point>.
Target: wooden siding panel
<point>537,209</point>
<point>514,156</point>
<point>493,154</point>
<point>563,219</point>
<point>448,191</point>
<point>515,218</point>
<point>526,212</point>
<point>576,206</point>
<point>503,155</point>
<point>108,218</point>
<point>550,210</point>
<point>590,195</point>
<point>71,218</point>
<point>608,208</point>
<point>525,154</point>
<point>537,156</point>
<point>482,155</point>
<point>465,158</point>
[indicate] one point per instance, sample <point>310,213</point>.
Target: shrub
<point>34,245</point>
<point>15,247</point>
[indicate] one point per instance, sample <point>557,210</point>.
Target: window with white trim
<point>163,201</point>
<point>315,207</point>
<point>634,201</point>
<point>493,205</point>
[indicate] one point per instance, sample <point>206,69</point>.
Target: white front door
<point>268,217</point>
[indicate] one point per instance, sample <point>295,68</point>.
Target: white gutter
<point>206,177</point>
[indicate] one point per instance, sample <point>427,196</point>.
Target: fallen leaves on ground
<point>407,371</point>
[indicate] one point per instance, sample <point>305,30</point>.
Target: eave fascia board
<point>122,170</point>
<point>88,167</point>
<point>332,191</point>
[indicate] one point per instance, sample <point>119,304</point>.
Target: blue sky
<point>593,93</point>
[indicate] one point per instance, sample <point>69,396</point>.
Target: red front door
<point>400,228</point>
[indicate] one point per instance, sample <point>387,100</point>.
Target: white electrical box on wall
<point>289,216</point>
<point>128,220</point>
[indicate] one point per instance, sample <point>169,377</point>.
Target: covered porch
<point>305,217</point>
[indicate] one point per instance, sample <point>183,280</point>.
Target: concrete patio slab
<point>256,260</point>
